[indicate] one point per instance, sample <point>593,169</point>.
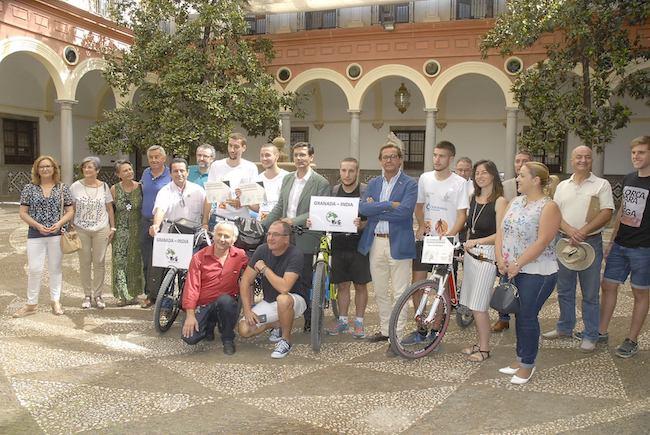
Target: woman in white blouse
<point>95,224</point>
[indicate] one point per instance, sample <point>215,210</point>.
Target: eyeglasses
<point>276,234</point>
<point>46,167</point>
<point>390,157</point>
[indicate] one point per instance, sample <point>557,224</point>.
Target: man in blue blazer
<point>389,203</point>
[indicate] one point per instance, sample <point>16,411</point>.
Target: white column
<point>511,140</point>
<point>67,143</point>
<point>429,138</point>
<point>285,117</point>
<point>355,150</point>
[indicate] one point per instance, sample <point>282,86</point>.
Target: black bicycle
<point>170,292</point>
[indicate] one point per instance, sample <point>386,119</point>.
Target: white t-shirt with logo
<point>442,199</point>
<point>272,191</point>
<point>245,172</point>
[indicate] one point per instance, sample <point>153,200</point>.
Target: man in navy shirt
<point>154,178</point>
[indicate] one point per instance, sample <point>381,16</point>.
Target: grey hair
<point>91,159</point>
<point>207,146</point>
<point>156,148</point>
<point>231,225</point>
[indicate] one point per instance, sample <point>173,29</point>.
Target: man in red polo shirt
<point>211,289</point>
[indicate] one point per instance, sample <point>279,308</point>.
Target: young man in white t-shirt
<point>441,210</point>
<point>271,177</point>
<point>236,171</point>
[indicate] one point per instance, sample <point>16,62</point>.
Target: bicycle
<point>170,292</point>
<point>323,292</point>
<point>431,317</point>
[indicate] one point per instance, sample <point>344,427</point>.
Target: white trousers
<point>37,249</point>
<point>387,272</point>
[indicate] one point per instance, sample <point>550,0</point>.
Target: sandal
<point>27,310</point>
<point>470,350</point>
<point>479,356</point>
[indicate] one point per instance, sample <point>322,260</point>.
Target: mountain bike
<point>323,292</point>
<point>421,315</point>
<point>170,292</point>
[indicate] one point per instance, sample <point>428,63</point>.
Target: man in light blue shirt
<point>205,155</point>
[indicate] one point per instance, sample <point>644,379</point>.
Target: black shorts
<point>350,266</point>
<point>418,266</point>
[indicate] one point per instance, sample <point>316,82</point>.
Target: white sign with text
<point>333,214</point>
<point>172,250</point>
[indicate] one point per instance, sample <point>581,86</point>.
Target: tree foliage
<point>572,91</point>
<point>194,83</point>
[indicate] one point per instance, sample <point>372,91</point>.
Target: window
<point>554,160</point>
<point>256,24</point>
<point>413,139</point>
<point>320,20</point>
<point>474,9</point>
<point>398,13</point>
<point>299,134</point>
<point>20,141</point>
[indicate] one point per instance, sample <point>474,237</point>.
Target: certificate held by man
<point>333,214</point>
<point>251,193</point>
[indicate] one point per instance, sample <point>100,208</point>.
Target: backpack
<point>251,233</point>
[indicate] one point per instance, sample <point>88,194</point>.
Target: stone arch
<point>86,66</point>
<point>40,51</point>
<point>322,74</point>
<point>372,76</point>
<point>481,68</point>
<point>632,67</point>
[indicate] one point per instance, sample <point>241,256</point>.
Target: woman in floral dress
<point>128,281</point>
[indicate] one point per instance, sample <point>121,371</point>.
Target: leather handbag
<point>70,241</point>
<point>505,298</point>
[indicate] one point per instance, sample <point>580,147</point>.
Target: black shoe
<point>377,338</point>
<point>209,336</point>
<point>229,348</point>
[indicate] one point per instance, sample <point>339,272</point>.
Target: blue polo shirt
<point>195,176</point>
<point>150,188</point>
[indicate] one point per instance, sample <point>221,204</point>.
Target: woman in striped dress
<point>479,271</point>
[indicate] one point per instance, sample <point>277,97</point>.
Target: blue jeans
<point>534,290</point>
<point>590,285</point>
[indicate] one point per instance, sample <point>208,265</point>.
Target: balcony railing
<point>473,9</point>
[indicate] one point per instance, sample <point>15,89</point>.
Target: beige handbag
<point>70,241</point>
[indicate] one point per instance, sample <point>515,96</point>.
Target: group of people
<point>508,228</point>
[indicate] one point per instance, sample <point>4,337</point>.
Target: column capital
<point>431,109</point>
<point>354,111</point>
<point>285,112</point>
<point>512,109</point>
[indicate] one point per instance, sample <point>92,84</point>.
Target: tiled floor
<point>109,372</point>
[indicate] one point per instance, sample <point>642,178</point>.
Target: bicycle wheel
<point>317,305</point>
<point>410,335</point>
<point>464,316</point>
<point>168,303</point>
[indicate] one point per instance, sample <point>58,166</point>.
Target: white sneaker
<point>587,345</point>
<point>282,349</point>
<point>86,303</point>
<point>275,335</point>
<point>99,303</point>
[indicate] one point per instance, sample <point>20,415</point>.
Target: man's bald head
<point>581,159</point>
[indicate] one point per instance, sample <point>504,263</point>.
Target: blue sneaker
<point>358,330</point>
<point>416,337</point>
<point>339,328</point>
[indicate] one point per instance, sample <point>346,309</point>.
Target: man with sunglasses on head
<point>281,264</point>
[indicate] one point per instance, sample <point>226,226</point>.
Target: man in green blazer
<point>293,205</point>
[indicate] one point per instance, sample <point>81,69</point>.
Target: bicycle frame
<point>442,279</point>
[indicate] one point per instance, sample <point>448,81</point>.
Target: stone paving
<point>109,372</point>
